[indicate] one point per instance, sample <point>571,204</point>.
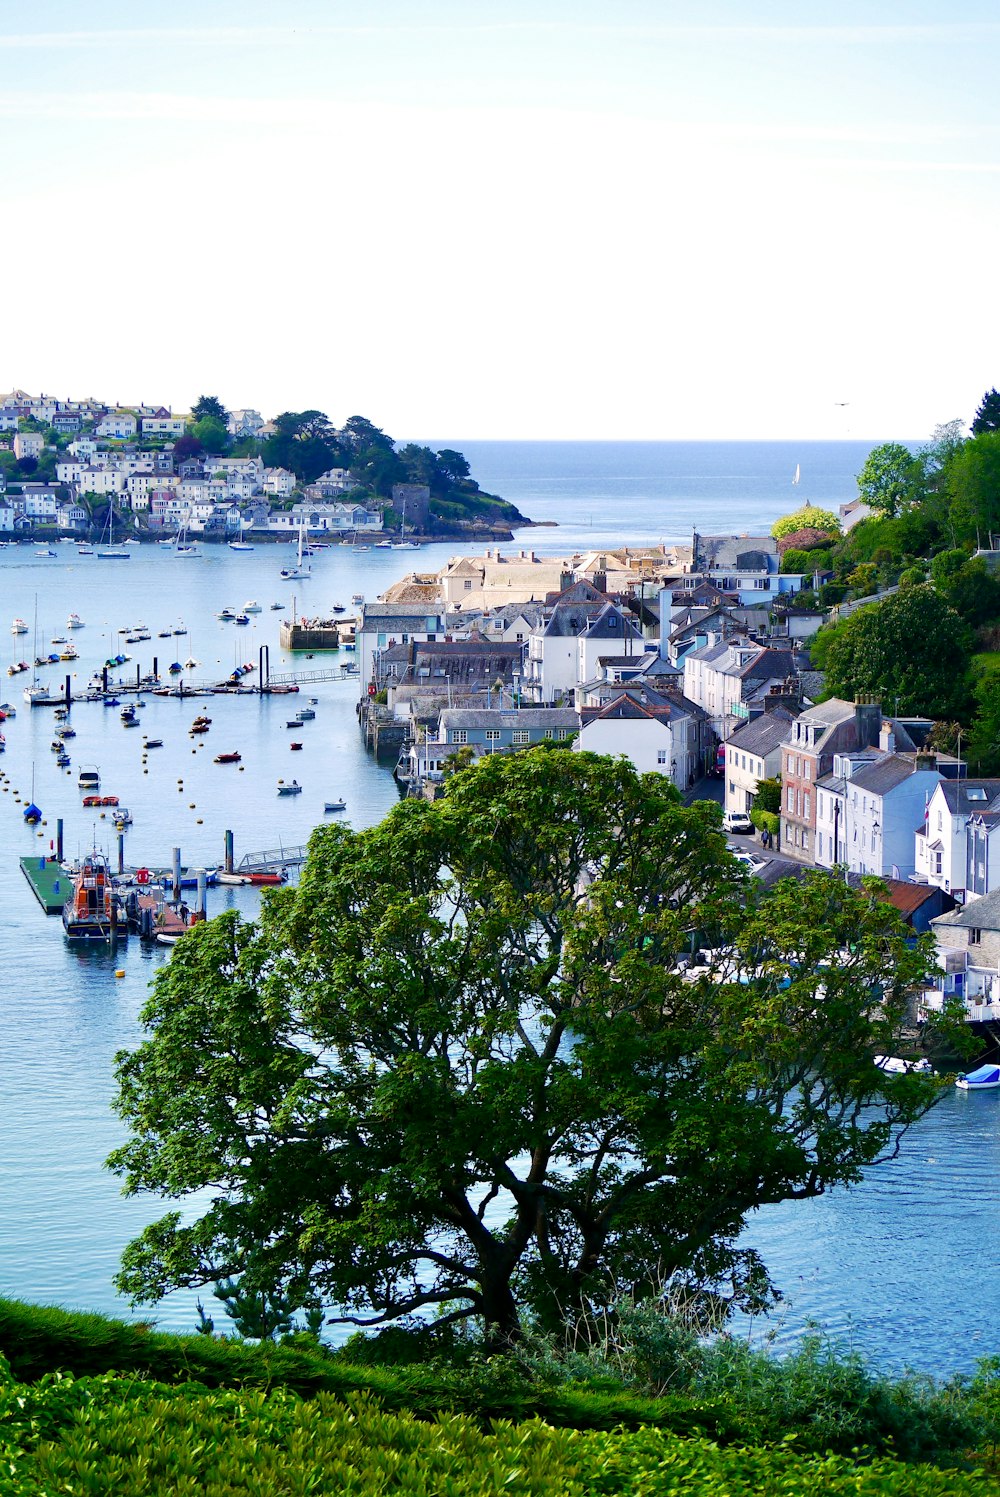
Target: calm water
<point>899,1266</point>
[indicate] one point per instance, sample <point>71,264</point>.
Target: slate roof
<point>884,775</point>
<point>569,620</point>
<point>515,717</point>
<point>957,797</point>
<point>980,914</point>
<point>764,733</point>
<point>611,623</point>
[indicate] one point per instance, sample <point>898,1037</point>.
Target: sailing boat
<point>798,475</point>
<point>37,695</point>
<point>111,552</point>
<point>403,544</point>
<point>183,547</point>
<point>298,572</point>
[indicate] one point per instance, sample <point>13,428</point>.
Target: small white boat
<point>357,599</point>
<point>251,607</point>
<point>74,621</point>
<point>277,607</point>
<point>305,714</point>
<point>985,1079</point>
<point>334,805</point>
<point>18,627</point>
<point>226,616</point>
<point>84,550</point>
<point>894,1065</point>
<point>291,789</point>
<point>232,878</point>
<point>240,546</point>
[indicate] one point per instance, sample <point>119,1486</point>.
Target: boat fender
<point>142,876</point>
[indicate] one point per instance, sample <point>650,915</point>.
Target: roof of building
<point>765,733</point>
<point>516,717</point>
<point>884,775</point>
<point>969,796</point>
<point>979,914</point>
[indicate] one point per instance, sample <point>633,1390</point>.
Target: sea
<point>898,1267</point>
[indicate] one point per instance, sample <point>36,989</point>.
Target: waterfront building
<point>956,846</point>
<point>968,947</point>
<point>484,731</point>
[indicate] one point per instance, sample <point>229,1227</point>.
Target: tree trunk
<point>501,1321</point>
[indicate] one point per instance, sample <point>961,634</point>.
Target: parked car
<point>737,821</point>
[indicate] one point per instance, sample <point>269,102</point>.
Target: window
<point>521,735</point>
<point>790,799</point>
<point>458,735</point>
<point>975,935</point>
<point>467,584</point>
<point>805,805</point>
<point>806,769</point>
<point>492,735</point>
<point>935,862</point>
<point>661,758</point>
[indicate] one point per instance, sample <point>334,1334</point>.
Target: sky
<point>636,219</point>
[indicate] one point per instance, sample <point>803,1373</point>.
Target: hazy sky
<point>635,218</point>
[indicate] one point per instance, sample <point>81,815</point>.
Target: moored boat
<point>294,788</point>
<point>985,1079</point>
<point>88,915</point>
<point>334,805</point>
<point>233,758</point>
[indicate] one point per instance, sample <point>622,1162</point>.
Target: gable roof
<point>765,733</point>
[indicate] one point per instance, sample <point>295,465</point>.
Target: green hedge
<point>39,1340</point>
<point>767,821</point>
<point>117,1436</point>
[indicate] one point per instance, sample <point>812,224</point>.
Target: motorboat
<point>306,714</point>
<point>251,607</point>
<point>74,621</point>
<point>89,779</point>
<point>18,627</point>
<point>295,746</point>
<point>88,915</point>
<point>152,743</point>
<point>242,618</point>
<point>233,758</point>
<point>894,1065</point>
<point>985,1079</point>
<point>357,599</point>
<point>289,789</point>
<point>122,818</point>
<point>226,616</point>
<point>277,607</point>
<point>334,805</point>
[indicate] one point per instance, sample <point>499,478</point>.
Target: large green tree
<point>973,483</point>
<point>911,651</point>
<point>892,478</point>
<point>987,417</point>
<point>210,408</point>
<point>466,1064</point>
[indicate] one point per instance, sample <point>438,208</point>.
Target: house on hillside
<point>658,733</point>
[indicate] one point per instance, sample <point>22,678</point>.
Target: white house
<point>278,482</point>
<point>385,624</point>
<point>162,426</point>
<point>28,444</point>
<point>723,677</point>
<point>941,838</point>
<point>120,426</point>
<point>656,733</point>
<point>101,481</point>
<point>752,754</point>
<point>866,810</point>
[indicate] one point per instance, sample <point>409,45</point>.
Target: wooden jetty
<point>49,882</point>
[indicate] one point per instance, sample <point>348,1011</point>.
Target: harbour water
<point>899,1266</point>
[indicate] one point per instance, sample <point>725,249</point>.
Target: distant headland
<point>85,466</point>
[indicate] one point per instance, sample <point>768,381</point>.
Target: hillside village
<point>694,663</point>
<point>65,465</point>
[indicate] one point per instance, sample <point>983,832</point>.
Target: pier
<point>271,862</point>
<point>49,882</point>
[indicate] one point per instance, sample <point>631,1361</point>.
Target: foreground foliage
<point>116,1435</point>
<point>485,1003</point>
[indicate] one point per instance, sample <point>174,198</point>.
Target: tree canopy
<point>809,517</point>
<point>987,417</point>
<point>210,408</point>
<point>465,1064</point>
<point>911,651</point>
<point>892,478</point>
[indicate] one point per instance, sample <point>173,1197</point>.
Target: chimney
<point>868,720</point>
<point>887,739</point>
<point>925,760</point>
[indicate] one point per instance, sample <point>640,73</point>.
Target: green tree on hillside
<point>891,479</point>
<point>987,417</point>
<point>464,1066</point>
<point>911,651</point>
<point>973,482</point>
<point>809,517</point>
<point>210,408</point>
<point>211,434</point>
